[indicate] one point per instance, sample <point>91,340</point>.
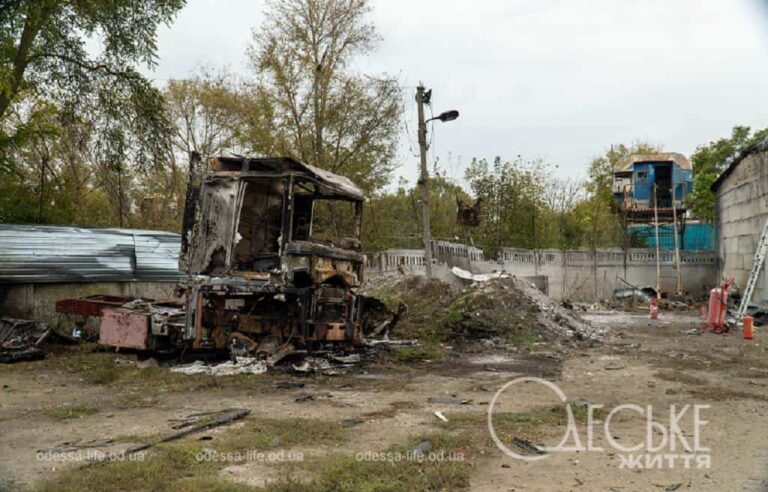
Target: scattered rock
<point>447,400</point>
<point>422,447</point>
<point>351,422</point>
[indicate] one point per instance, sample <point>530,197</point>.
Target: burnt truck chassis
<point>258,280</point>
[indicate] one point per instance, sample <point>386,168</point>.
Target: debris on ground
<point>9,356</point>
<point>441,416</point>
<point>243,365</point>
<point>351,422</point>
<point>307,397</point>
<point>634,293</point>
<point>191,419</point>
<point>504,305</point>
<point>288,384</point>
<point>222,418</point>
<point>20,340</point>
<point>386,326</point>
<point>448,400</point>
<point>392,343</point>
<point>759,314</point>
<point>422,447</point>
<point>497,311</point>
<point>527,446</point>
<point>317,364</point>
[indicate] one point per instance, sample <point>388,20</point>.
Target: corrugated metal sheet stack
<point>45,254</point>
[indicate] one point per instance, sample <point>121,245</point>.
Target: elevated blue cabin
<point>634,179</point>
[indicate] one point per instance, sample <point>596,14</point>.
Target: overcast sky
<point>560,80</point>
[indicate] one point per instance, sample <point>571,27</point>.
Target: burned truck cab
<point>273,254</point>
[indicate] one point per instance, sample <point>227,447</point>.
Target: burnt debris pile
<point>501,309</point>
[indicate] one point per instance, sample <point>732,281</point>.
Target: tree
<point>211,112</point>
<point>324,113</point>
<point>43,54</point>
<point>393,219</point>
<point>599,222</point>
<point>513,194</point>
<point>710,160</point>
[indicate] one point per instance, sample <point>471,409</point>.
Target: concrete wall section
<point>742,209</point>
<point>583,275</point>
<point>38,301</point>
<point>580,275</point>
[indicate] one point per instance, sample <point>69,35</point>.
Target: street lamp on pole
<point>424,179</point>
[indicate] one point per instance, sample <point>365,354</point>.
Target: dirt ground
<point>65,404</point>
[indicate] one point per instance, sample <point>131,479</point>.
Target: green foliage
<point>524,204</point>
<point>599,224</point>
<point>76,125</point>
<point>43,54</point>
<point>422,353</point>
<point>324,113</point>
<point>710,160</point>
<point>394,219</point>
<point>213,112</point>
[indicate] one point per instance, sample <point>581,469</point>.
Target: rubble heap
<point>501,308</point>
<point>501,305</point>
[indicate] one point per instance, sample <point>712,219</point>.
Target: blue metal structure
<point>696,236</point>
<point>636,177</point>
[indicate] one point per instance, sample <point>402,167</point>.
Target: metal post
<point>656,222</point>
<point>677,249</point>
<point>424,181</point>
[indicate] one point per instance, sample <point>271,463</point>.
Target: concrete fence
<point>581,275</point>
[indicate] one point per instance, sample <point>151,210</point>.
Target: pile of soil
<point>503,308</point>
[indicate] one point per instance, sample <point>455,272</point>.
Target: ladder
<point>757,266</point>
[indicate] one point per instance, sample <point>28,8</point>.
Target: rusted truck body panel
<point>148,326</point>
<point>261,271</point>
<point>124,328</point>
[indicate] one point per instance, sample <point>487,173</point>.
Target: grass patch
<point>523,338</point>
<point>168,467</point>
<point>535,425</point>
<point>718,393</point>
<point>264,433</point>
<point>175,466</point>
<point>136,387</point>
<point>65,412</point>
<point>390,471</point>
<point>422,353</point>
<point>677,376</point>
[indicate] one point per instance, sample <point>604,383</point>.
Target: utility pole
<point>679,285</point>
<point>424,181</point>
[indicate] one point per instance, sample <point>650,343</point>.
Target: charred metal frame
<point>306,297</point>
